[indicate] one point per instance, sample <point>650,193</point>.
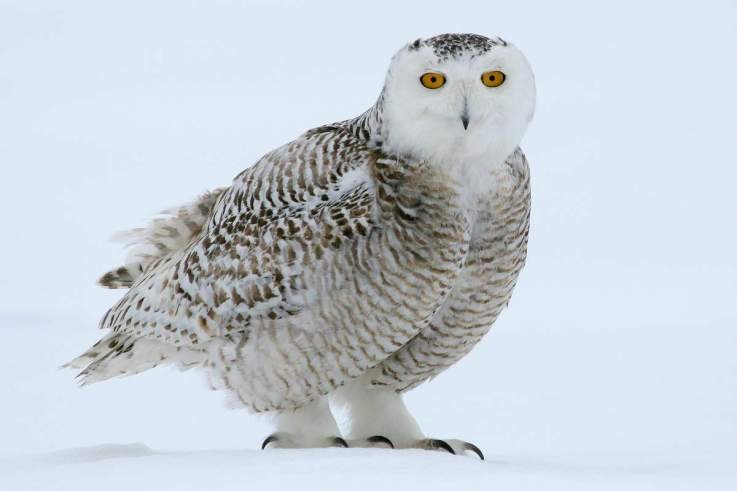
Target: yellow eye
<point>493,78</point>
<point>432,80</point>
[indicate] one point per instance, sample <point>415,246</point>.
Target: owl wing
<point>292,280</point>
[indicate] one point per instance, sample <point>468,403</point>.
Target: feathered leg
<point>310,426</point>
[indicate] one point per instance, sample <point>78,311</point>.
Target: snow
<point>131,467</point>
<point>614,367</point>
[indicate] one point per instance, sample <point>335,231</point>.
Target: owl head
<point>457,98</point>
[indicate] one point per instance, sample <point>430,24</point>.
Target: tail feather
<point>118,355</point>
<point>122,277</point>
<point>170,233</point>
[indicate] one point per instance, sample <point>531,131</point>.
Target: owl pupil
<point>433,79</point>
<point>492,78</point>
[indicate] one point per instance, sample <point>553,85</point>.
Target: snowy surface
<point>615,366</point>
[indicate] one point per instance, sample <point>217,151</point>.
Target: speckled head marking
<point>447,46</point>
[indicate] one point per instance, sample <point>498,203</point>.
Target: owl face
<point>458,97</point>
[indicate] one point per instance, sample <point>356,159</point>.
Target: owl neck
<point>474,167</point>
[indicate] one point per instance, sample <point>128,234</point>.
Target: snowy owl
<point>349,265</point>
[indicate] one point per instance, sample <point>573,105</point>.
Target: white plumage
<point>351,264</point>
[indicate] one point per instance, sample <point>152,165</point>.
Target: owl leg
<point>310,426</point>
<point>379,417</point>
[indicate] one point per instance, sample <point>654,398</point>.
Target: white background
<point>615,365</point>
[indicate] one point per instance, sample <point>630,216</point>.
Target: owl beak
<point>464,114</point>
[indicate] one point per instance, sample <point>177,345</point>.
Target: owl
<point>348,266</point>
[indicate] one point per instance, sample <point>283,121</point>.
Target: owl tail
<point>118,354</point>
<point>163,236</point>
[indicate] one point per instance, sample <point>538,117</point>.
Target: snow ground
<point>614,367</point>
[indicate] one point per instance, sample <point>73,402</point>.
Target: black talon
<point>269,439</point>
<point>473,448</point>
<point>339,442</point>
<point>380,439</point>
<point>435,444</point>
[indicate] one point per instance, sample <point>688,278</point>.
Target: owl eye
<point>432,80</point>
<point>493,78</point>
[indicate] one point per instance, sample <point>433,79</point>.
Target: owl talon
<point>269,439</point>
<point>455,447</point>
<point>380,439</point>
<point>473,448</point>
<point>434,444</point>
<point>338,442</point>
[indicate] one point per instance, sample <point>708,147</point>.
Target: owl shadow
<point>111,451</point>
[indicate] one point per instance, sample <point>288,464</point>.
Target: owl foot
<point>288,440</point>
<point>456,447</point>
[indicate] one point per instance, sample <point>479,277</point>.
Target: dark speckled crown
<point>447,46</point>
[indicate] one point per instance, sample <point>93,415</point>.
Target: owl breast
<point>497,253</point>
